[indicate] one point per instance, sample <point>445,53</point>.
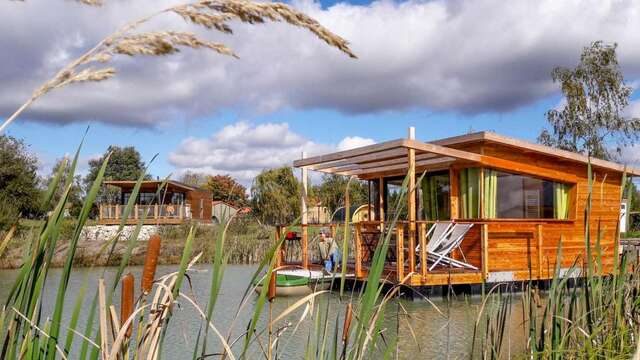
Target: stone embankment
<point>95,244</point>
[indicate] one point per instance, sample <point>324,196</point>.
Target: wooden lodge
<point>177,203</point>
<point>520,198</point>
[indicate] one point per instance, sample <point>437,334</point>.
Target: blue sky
<point>445,67</point>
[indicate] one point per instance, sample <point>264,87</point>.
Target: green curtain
<point>490,193</point>
<point>430,198</point>
<point>560,201</point>
<point>470,193</point>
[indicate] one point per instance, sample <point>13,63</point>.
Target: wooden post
<point>422,233</point>
<point>400,251</point>
<point>358,250</point>
<point>117,211</point>
<point>135,211</point>
<point>155,211</point>
<point>381,202</point>
<point>454,193</point>
<point>279,250</point>
<point>181,211</point>
<point>411,157</point>
<point>304,220</point>
<point>539,236</point>
<point>481,195</point>
<point>100,212</point>
<point>484,234</point>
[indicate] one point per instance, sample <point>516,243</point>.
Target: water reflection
<point>442,329</point>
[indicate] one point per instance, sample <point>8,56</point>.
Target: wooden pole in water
<point>304,216</point>
<point>412,202</point>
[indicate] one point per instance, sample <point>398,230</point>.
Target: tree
<point>124,164</point>
<point>19,192</point>
<point>75,197</point>
<point>275,196</point>
<point>592,118</point>
<point>194,179</point>
<point>331,191</point>
<point>226,188</point>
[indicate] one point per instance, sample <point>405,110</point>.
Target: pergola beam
<point>340,155</point>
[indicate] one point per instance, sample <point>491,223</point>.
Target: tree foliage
<point>331,191</point>
<point>226,188</point>
<point>592,120</point>
<point>125,164</point>
<point>194,179</point>
<point>19,191</point>
<point>275,196</point>
<point>76,193</point>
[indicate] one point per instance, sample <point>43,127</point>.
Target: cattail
<point>150,264</point>
<point>347,323</point>
<point>126,301</point>
<point>272,286</point>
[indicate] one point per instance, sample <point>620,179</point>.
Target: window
<point>392,188</point>
<point>177,198</point>
<point>146,198</point>
<point>434,201</point>
<point>514,196</point>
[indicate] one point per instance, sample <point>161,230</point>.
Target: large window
<point>525,197</point>
<point>392,188</point>
<point>512,196</point>
<point>434,202</point>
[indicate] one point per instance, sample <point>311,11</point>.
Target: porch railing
<point>152,212</point>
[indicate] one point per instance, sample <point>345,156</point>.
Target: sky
<point>445,67</point>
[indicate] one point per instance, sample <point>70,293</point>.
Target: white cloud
<point>467,56</point>
<point>243,150</point>
<point>631,156</point>
<point>351,142</point>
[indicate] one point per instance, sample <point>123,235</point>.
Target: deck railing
<point>152,212</point>
<point>408,247</point>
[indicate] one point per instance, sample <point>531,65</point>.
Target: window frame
<point>573,188</point>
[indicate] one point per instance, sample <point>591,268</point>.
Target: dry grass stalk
<point>346,326</point>
<point>150,264</point>
<point>211,14</point>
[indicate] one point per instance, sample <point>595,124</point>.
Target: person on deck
<point>329,251</point>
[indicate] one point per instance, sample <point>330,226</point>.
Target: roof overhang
<point>391,157</point>
<point>150,185</point>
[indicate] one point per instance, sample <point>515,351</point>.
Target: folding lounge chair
<point>436,234</point>
<point>441,252</point>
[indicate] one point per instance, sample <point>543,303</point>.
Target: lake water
<point>424,332</point>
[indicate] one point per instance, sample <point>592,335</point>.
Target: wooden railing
<point>152,212</point>
<point>402,245</point>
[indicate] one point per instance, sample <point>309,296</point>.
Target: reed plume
<point>93,66</point>
<point>150,264</point>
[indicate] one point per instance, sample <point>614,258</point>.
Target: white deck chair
<point>436,234</point>
<point>445,247</point>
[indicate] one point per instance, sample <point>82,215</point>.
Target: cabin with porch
<point>176,203</point>
<point>511,203</point>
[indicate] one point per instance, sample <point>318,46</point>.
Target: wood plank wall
<point>514,245</point>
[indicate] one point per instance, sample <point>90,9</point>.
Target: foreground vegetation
<point>598,319</point>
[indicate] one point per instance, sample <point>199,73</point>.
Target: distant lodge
<point>177,203</point>
<point>479,208</point>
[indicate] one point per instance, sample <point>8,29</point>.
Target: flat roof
<point>391,156</point>
<point>151,183</point>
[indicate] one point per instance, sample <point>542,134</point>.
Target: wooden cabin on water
<point>520,198</point>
